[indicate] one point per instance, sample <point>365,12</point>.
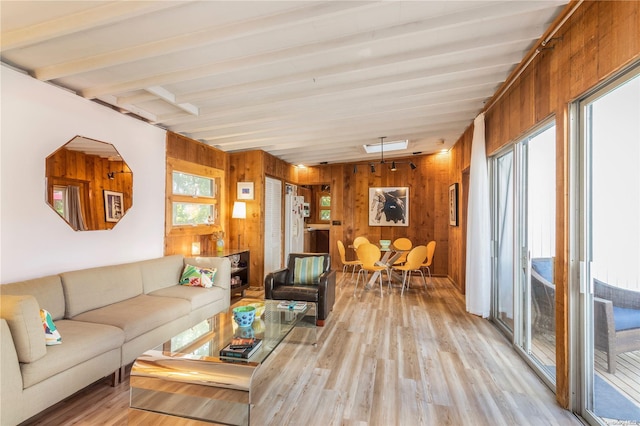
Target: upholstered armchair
<point>616,315</point>
<point>312,281</point>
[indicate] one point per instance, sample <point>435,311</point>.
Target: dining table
<point>390,255</point>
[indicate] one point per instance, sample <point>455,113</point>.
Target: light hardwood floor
<point>419,359</point>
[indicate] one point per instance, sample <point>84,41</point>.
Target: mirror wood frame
<point>92,167</point>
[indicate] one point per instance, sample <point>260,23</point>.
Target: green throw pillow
<point>307,270</point>
<point>51,333</point>
<point>196,276</point>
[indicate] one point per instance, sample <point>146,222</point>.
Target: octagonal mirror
<point>89,184</point>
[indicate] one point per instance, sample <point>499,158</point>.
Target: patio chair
<point>616,316</point>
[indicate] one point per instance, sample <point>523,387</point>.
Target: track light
<point>393,166</point>
<point>413,166</point>
<point>373,168</point>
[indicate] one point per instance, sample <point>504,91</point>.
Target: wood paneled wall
<point>182,148</point>
<point>89,172</point>
<point>254,166</point>
<point>598,40</point>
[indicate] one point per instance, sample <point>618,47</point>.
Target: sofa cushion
<point>197,296</point>
<point>47,291</point>
<point>162,272</point>
<point>82,341</point>
<point>303,293</point>
<point>139,314</point>
<point>94,288</point>
<point>197,276</point>
<point>626,319</point>
<point>22,314</point>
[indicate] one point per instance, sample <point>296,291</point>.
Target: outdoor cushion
<point>626,319</point>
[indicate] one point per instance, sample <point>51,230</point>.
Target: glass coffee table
<point>185,381</point>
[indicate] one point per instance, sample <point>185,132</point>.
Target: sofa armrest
<point>272,279</point>
<point>11,399</point>
<point>327,291</point>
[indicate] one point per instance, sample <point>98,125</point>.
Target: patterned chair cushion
<point>308,270</point>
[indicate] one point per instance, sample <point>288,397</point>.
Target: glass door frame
<point>522,312</point>
<point>495,229</point>
<point>581,326</point>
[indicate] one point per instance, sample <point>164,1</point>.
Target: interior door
<point>272,225</point>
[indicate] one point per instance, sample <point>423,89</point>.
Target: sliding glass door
<point>608,241</point>
<point>523,211</point>
<point>503,236</point>
<point>537,250</point>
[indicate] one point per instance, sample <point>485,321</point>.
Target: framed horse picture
<point>389,206</point>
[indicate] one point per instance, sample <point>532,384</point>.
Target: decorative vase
<point>220,244</point>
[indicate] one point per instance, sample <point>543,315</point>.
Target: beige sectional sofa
<point>107,316</point>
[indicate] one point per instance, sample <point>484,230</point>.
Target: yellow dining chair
<point>369,254</point>
<point>416,256</point>
<point>358,241</point>
<point>431,249</point>
<point>405,245</point>
<point>347,263</point>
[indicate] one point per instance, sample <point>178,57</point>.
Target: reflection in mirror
<point>89,184</point>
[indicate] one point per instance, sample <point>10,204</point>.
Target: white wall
<point>35,119</point>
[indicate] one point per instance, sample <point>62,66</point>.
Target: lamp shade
<point>239,210</point>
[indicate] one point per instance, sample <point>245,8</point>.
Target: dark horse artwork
<point>388,206</point>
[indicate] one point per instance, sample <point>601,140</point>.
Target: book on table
<point>242,342</point>
<point>292,306</point>
<point>243,353</point>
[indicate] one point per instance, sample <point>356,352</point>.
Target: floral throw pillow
<point>195,276</point>
<point>51,333</point>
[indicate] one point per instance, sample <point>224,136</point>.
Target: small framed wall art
<point>112,205</point>
<point>245,191</point>
<point>453,204</point>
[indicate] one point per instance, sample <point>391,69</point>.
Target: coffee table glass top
<point>205,340</point>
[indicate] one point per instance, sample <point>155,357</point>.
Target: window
<point>61,201</point>
<point>194,204</point>
<point>324,208</point>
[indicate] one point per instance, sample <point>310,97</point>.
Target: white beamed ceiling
<point>308,82</point>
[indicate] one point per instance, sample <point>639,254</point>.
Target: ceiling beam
<point>100,15</point>
<point>320,47</point>
<point>197,39</point>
